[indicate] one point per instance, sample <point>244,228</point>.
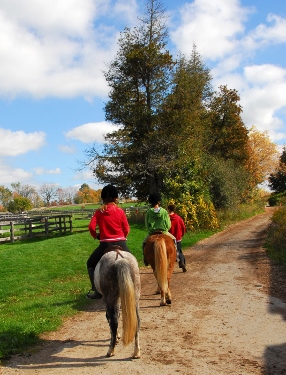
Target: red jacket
<point>178,228</point>
<point>112,224</point>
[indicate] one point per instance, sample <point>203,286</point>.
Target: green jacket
<point>157,219</point>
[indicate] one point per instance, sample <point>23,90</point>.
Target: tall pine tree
<point>134,156</point>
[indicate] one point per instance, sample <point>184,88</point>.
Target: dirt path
<point>228,317</point>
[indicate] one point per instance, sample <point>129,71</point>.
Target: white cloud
<point>212,25</point>
<point>67,149</point>
<point>218,28</point>
<point>10,174</point>
<point>54,171</point>
<point>58,48</point>
<point>91,132</point>
<point>265,34</point>
<point>40,171</point>
<point>83,175</point>
<point>265,74</point>
<point>19,142</point>
<point>126,9</point>
<point>263,97</point>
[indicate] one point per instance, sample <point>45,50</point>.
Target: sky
<point>52,88</point>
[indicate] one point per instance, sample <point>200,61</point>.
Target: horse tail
<point>161,263</point>
<point>128,301</point>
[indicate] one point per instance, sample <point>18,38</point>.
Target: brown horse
<point>160,253</point>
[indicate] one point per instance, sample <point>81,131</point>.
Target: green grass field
<point>44,281</point>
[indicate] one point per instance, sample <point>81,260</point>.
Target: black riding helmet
<point>109,192</point>
<point>154,198</point>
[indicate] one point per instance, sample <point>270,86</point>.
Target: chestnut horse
<point>160,253</point>
<point>117,278</point>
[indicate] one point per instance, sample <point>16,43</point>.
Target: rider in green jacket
<point>157,219</point>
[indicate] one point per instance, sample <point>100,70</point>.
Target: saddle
<point>115,248</point>
<point>158,232</point>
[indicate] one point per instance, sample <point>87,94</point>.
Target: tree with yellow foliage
<point>263,156</point>
<point>87,195</point>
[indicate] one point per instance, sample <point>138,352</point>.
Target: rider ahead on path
<point>157,219</point>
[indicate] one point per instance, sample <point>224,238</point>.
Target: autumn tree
<point>19,204</point>
<point>263,156</point>
<point>25,190</point>
<point>87,195</point>
<point>6,195</point>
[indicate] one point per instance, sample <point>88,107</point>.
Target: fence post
<point>60,224</point>
<point>70,223</point>
<point>46,227</point>
<point>12,236</point>
<point>65,225</point>
<point>30,229</point>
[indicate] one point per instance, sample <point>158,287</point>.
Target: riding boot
<point>93,293</point>
<point>144,260</point>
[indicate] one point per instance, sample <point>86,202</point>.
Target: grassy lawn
<point>44,281</point>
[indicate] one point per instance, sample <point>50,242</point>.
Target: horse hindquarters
<point>161,268</point>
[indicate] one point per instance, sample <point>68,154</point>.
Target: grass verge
<point>276,237</point>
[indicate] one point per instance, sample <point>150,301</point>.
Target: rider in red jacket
<point>178,230</point>
<point>113,229</point>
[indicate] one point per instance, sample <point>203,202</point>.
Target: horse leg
<point>170,271</point>
<point>118,337</point>
<point>168,297</point>
<point>163,298</point>
<point>113,324</point>
<point>136,353</point>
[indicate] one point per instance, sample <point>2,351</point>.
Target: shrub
<point>276,236</point>
<point>277,199</point>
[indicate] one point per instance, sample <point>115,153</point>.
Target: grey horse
<point>117,278</point>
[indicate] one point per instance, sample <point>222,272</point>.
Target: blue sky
<point>52,90</point>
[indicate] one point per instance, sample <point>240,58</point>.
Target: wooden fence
<point>19,228</point>
<point>43,223</point>
<point>85,213</point>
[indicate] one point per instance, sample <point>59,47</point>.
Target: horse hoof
<point>136,356</point>
<point>110,354</point>
<point>168,301</point>
<point>163,304</point>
